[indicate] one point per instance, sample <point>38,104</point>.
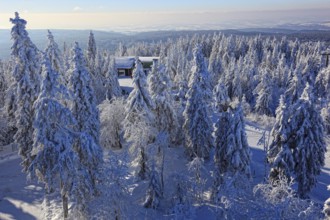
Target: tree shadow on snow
<point>17,195</point>
<point>10,210</point>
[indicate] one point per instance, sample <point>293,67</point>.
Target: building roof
<point>124,62</point>
<point>129,62</point>
<point>148,59</point>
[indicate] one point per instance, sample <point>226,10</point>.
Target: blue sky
<point>108,14</point>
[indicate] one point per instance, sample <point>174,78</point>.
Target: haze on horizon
<point>140,15</point>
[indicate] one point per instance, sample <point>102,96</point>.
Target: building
<point>125,65</point>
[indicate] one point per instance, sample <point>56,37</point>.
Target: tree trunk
<point>64,203</point>
<point>162,172</point>
<point>65,206</point>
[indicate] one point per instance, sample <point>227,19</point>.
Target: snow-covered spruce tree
<point>84,106</point>
<point>264,93</point>
<point>139,103</point>
<point>215,64</point>
<point>245,106</point>
<point>280,155</point>
<point>91,50</point>
<point>232,152</point>
<point>322,84</point>
<point>26,73</point>
<point>295,87</point>
<point>55,161</point>
<point>182,91</point>
<point>86,113</point>
<point>221,97</point>
<point>154,192</point>
<point>55,56</point>
<point>95,63</point>
<point>223,137</point>
<point>121,50</point>
<point>3,84</point>
<point>165,116</point>
<point>197,129</point>
<point>113,89</point>
<point>200,73</point>
<point>7,101</point>
<point>237,82</point>
<point>308,146</point>
<point>229,77</point>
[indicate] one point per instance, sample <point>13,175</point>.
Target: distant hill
<point>109,40</point>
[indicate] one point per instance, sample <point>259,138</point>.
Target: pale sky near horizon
<point>159,14</point>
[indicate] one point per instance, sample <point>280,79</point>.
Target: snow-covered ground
<point>20,199</point>
<point>126,83</point>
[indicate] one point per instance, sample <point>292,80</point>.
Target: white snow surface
<point>126,83</point>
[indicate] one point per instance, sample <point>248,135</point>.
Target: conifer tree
<point>221,97</point>
<point>26,72</point>
<point>55,161</point>
<point>322,84</point>
<point>85,111</point>
<point>280,155</point>
<point>84,107</point>
<point>154,190</point>
<point>215,67</point>
<point>139,103</point>
<point>298,149</point>
<point>295,88</point>
<point>232,149</point>
<point>232,152</point>
<point>112,83</point>
<point>53,52</point>
<point>91,50</point>
<point>309,146</point>
<point>198,133</point>
<point>264,93</point>
<point>159,87</point>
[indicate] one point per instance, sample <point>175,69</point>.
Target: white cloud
<point>77,8</point>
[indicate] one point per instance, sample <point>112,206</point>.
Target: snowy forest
<point>222,127</point>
